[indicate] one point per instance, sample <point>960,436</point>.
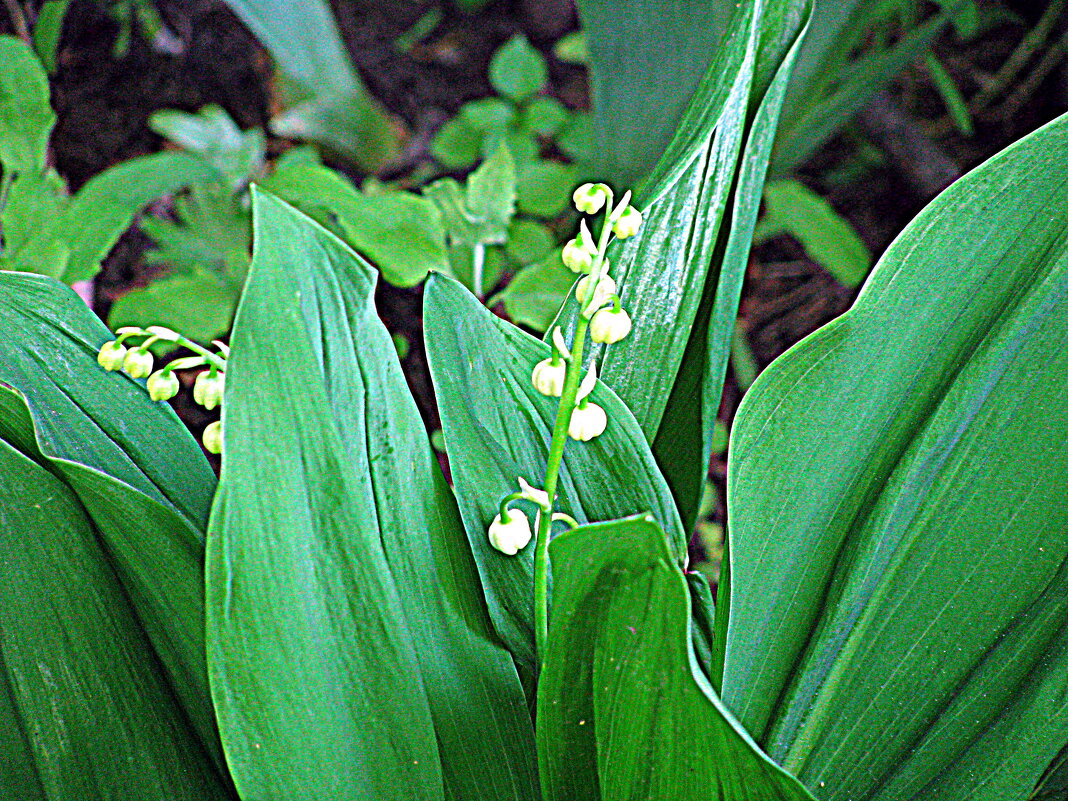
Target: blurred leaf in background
<point>792,208</point>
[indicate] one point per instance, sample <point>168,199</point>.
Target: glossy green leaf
<point>528,242</point>
<point>97,717</point>
<point>333,105</point>
<point>457,144</point>
<point>899,569</point>
<point>680,277</point>
<point>26,118</point>
<point>94,218</point>
<point>350,650</point>
<point>399,231</point>
<point>517,70</point>
<point>792,208</point>
<point>498,427</point>
<point>624,711</point>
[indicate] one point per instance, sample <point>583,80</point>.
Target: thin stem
<point>559,441</point>
<point>552,473</point>
<point>18,21</point>
<point>478,261</point>
<point>211,358</point>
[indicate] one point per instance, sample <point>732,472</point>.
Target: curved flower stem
<point>556,449</point>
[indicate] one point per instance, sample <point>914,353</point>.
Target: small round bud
<point>606,288</point>
<point>590,198</point>
<point>587,422</point>
<point>137,363</point>
<point>512,535</point>
<point>548,378</point>
<point>111,355</point>
<point>576,257</point>
<point>628,223</point>
<point>213,437</point>
<point>608,326</point>
<point>162,385</point>
<point>208,388</point>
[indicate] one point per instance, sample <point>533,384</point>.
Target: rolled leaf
<point>350,651</point>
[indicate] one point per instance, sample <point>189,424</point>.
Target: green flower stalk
<point>558,376</point>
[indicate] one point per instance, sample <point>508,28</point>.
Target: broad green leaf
<point>517,70</point>
<point>81,681</point>
<point>899,569</point>
<point>680,277</point>
<point>399,231</point>
<point>138,473</point>
<point>198,304</point>
<point>26,118</point>
<point>48,344</point>
<point>624,710</point>
<point>498,427</point>
<point>333,105</point>
<point>646,61</point>
<point>350,650</point>
<point>212,233</point>
<point>95,217</point>
<point>827,237</point>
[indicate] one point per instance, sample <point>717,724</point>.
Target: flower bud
<point>162,385</point>
<point>606,288</point>
<point>628,223</point>
<point>590,198</point>
<point>608,326</point>
<point>208,388</point>
<point>137,363</point>
<point>587,422</point>
<point>548,378</point>
<point>111,355</point>
<point>213,437</point>
<point>577,258</point>
<point>512,535</point>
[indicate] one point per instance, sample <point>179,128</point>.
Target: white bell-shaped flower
<point>590,198</point>
<point>609,325</point>
<point>512,535</point>
<point>606,288</point>
<point>628,223</point>
<point>587,422</point>
<point>138,363</point>
<point>208,389</point>
<point>162,385</point>
<point>111,355</point>
<point>548,378</point>
<point>213,437</point>
<point>577,258</point>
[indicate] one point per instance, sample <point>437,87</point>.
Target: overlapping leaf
<point>140,476</point>
<point>681,275</point>
<point>350,651</point>
<point>624,710</point>
<point>86,711</point>
<point>899,565</point>
<point>498,427</point>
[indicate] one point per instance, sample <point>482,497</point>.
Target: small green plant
<point>529,123</point>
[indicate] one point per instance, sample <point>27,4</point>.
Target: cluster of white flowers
<point>608,322</point>
<point>138,362</point>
